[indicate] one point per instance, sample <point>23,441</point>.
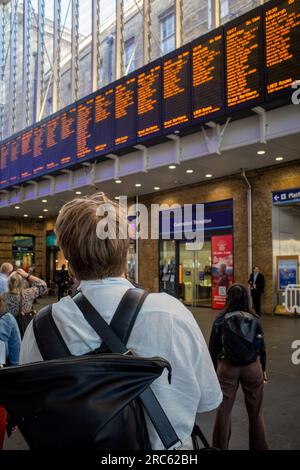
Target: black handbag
<point>96,401</point>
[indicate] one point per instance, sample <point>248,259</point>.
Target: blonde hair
<point>89,256</point>
<point>2,304</point>
<point>6,268</point>
<point>15,282</point>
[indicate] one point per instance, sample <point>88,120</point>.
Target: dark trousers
<point>251,379</point>
<point>256,297</point>
<point>2,426</point>
<point>61,292</point>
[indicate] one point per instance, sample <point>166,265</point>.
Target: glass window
<point>129,60</point>
<point>196,19</point>
<point>233,8</point>
<point>159,10</point>
<point>167,32</point>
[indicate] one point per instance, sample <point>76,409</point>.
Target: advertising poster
<point>222,269</point>
<point>287,271</point>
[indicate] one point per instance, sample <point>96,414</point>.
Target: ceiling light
<point>189,171</point>
<point>279,159</point>
<point>25,215</point>
<point>118,181</point>
<point>78,192</point>
<point>156,188</point>
<point>41,216</point>
<point>261,152</point>
<point>45,210</point>
<point>208,175</point>
<point>138,185</point>
<point>17,207</point>
<point>172,167</point>
<point>44,200</point>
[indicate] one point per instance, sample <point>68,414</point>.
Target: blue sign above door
<point>287,196</point>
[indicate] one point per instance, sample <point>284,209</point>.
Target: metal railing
<point>292,299</point>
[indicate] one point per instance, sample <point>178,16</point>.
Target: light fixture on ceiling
<point>45,210</point>
<point>78,193</point>
<point>261,152</point>
<point>44,201</point>
<point>118,181</point>
<point>25,215</point>
<point>17,207</point>
<point>172,167</point>
<point>138,185</point>
<point>41,216</point>
<point>279,159</point>
<point>156,188</point>
<point>189,171</point>
<point>208,175</point>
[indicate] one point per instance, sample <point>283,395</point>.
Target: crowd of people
<point>203,378</point>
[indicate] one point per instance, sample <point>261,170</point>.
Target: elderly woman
<point>19,299</point>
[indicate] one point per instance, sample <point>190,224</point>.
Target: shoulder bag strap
<point>48,337</point>
<point>152,406</point>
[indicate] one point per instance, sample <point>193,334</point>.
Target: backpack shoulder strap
<point>48,337</point>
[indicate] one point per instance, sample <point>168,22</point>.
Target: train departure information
<point>282,45</point>
<point>85,111</point>
<point>26,154</point>
<point>125,112</point>
<point>176,90</point>
<point>14,167</point>
<point>243,60</point>
<point>148,107</point>
<point>207,76</point>
<point>53,143</point>
<point>68,136</point>
<point>103,126</point>
<point>4,164</point>
<point>39,139</point>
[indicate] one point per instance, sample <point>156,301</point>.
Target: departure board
<point>282,46</point>
<point>4,164</point>
<point>26,154</point>
<point>15,157</point>
<point>208,76</point>
<point>125,112</point>
<point>39,146</point>
<point>149,101</point>
<point>53,143</point>
<point>68,136</point>
<point>103,121</point>
<point>85,146</point>
<point>244,61</point>
<point>176,89</point>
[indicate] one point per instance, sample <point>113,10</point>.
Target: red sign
<point>222,269</point>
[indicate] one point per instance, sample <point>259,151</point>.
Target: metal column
<point>178,23</point>
<point>214,14</point>
<point>75,50</point>
<point>56,54</point>
<point>13,66</point>
<point>147,31</point>
<point>2,66</point>
<point>40,59</point>
<point>119,38</point>
<point>95,44</point>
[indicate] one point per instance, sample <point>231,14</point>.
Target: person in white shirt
<point>5,271</point>
<point>164,326</point>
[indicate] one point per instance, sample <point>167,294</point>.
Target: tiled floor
<point>282,394</point>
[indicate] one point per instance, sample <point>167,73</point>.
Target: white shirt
<point>164,328</point>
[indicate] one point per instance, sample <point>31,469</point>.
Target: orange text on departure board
<point>242,48</point>
<point>67,130</point>
<point>174,85</point>
<point>26,147</point>
<point>51,138</point>
<point>123,100</point>
<point>205,57</point>
<point>103,110</point>
<point>3,163</point>
<point>279,23</point>
<point>84,118</point>
<point>38,146</point>
<point>147,101</point>
<point>14,156</point>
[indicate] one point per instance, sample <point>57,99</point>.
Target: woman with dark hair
<point>238,352</point>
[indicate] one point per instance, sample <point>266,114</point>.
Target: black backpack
<point>239,337</point>
<point>95,401</point>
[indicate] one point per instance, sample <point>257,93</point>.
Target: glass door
<point>195,274</point>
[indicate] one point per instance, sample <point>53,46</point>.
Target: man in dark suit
<point>257,285</point>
